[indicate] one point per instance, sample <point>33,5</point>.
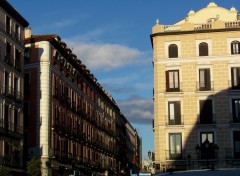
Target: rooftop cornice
<point>14,14</point>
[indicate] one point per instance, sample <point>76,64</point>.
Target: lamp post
<point>149,154</point>
<point>189,160</point>
<point>208,152</point>
<point>206,147</point>
<point>150,158</point>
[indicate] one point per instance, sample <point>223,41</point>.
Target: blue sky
<point>112,38</point>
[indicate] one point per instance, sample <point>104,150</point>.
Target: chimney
<point>28,32</point>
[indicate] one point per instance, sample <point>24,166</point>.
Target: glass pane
<point>210,138</point>
<point>204,137</point>
<point>176,79</point>
<point>171,83</point>
<point>171,109</point>
<point>172,144</point>
<point>201,79</point>
<point>178,144</point>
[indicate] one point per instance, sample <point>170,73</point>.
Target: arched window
<point>203,49</point>
<point>172,51</point>
<point>235,47</point>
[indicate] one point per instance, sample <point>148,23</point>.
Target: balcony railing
<point>13,94</point>
<point>232,153</point>
<point>11,32</point>
<point>235,119</point>
<point>234,85</point>
<point>204,120</point>
<point>174,155</point>
<point>10,127</point>
<point>173,88</point>
<point>9,59</point>
<point>205,86</point>
<point>173,120</point>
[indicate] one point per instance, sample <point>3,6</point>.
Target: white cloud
<point>105,56</point>
<point>137,109</point>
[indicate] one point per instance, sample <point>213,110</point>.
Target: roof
<point>14,14</point>
<point>211,12</point>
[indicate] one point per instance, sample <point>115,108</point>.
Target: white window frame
<point>178,43</point>
<point>208,41</point>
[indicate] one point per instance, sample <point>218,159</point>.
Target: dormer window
<point>172,51</point>
<point>235,45</point>
<point>203,49</point>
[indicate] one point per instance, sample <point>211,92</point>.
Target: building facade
<point>196,90</point>
<point>72,120</point>
<point>12,26</point>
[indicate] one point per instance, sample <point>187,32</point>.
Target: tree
<point>34,167</point>
<point>4,171</point>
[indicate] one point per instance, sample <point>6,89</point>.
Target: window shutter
<point>178,112</point>
<point>167,80</point>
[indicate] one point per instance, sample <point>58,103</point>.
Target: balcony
<point>205,86</point>
<point>234,119</point>
<point>18,65</point>
<point>234,85</point>
<point>11,128</point>
<point>171,120</point>
<point>12,94</point>
<point>206,119</point>
<point>174,155</point>
<point>9,30</point>
<point>9,59</point>
<point>174,88</point>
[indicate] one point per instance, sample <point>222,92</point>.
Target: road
<point>220,172</point>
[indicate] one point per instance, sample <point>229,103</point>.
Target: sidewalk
<point>217,172</point>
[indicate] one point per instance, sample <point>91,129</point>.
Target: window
<point>206,112</point>
<point>17,32</point>
<point>26,84</point>
<point>235,45</point>
<point>7,86</point>
<point>236,110</point>
<point>172,81</point>
<point>27,54</point>
<point>236,144</point>
<point>175,146</point>
<point>203,49</point>
<point>174,113</point>
<point>172,51</point>
<point>207,145</point>
<point>204,79</point>
<point>235,78</point>
<point>8,25</point>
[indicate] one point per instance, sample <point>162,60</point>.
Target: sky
<point>112,38</point>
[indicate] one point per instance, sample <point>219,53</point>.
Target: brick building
<point>12,26</point>
<point>74,125</point>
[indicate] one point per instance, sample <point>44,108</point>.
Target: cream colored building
<point>197,90</point>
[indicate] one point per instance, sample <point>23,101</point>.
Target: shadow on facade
<point>213,141</point>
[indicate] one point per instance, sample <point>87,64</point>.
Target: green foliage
<point>34,167</point>
<point>4,171</point>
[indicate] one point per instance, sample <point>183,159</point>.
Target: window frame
<point>173,51</point>
<point>235,47</point>
<point>176,153</point>
<point>174,118</point>
<point>203,49</point>
<point>205,79</point>
<point>206,113</point>
<point>175,87</point>
<point>235,118</point>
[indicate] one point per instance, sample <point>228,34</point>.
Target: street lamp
<point>149,154</point>
<point>197,148</point>
<point>189,160</point>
